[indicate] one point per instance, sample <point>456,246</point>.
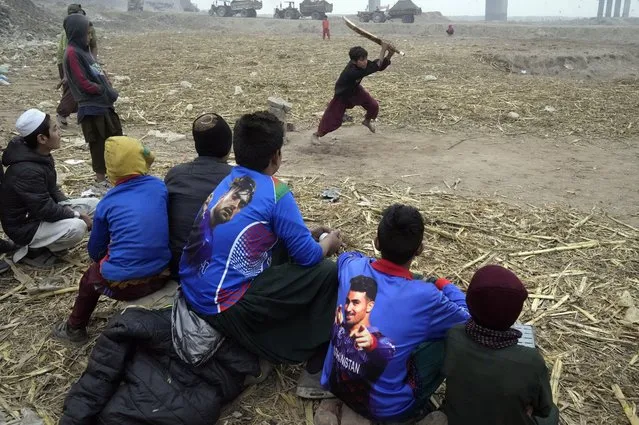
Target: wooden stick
<point>624,224</point>
<point>541,296</point>
<point>590,317</point>
<point>53,293</point>
<point>475,261</point>
<point>569,247</point>
<point>552,307</point>
<point>12,291</point>
<point>554,380</point>
<point>627,408</point>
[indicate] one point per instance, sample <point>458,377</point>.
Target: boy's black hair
<point>400,233</point>
<point>256,138</point>
<point>357,52</point>
<point>365,284</point>
<point>32,139</point>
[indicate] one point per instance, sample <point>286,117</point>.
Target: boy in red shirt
<point>326,31</point>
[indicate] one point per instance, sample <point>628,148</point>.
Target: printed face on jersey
<point>231,203</point>
<point>360,301</point>
<point>358,308</point>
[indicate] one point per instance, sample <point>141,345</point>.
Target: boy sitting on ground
<point>235,272</point>
<point>189,184</point>
<point>35,213</point>
<point>129,243</point>
<point>386,347</point>
<point>490,379</point>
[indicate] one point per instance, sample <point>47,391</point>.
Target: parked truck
<point>316,9</point>
<point>244,8</point>
<point>288,12</point>
<point>403,9</point>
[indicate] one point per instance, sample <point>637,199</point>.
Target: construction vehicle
<point>244,8</point>
<point>288,12</point>
<point>135,5</point>
<point>403,9</point>
<point>316,9</point>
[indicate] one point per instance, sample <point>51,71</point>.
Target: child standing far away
<point>350,93</point>
<point>326,31</point>
<point>129,243</point>
<point>93,92</point>
<point>490,379</point>
<point>387,341</point>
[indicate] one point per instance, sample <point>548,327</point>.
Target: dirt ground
<point>576,142</point>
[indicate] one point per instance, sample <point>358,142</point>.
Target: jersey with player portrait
<point>381,316</point>
<point>233,236</point>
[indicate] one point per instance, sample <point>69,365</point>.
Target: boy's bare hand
<point>331,243</point>
<point>89,222</point>
<point>318,231</point>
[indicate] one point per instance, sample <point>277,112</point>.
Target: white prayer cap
<point>29,122</point>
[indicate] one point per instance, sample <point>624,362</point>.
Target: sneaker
<point>266,368</point>
<point>7,246</point>
<point>370,124</point>
<point>64,332</point>
<point>315,139</point>
<point>62,121</point>
<point>309,387</point>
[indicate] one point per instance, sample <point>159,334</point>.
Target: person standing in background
<point>68,105</point>
<point>326,30</point>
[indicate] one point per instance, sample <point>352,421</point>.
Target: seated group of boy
<point>373,334</point>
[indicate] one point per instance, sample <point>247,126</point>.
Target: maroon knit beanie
<point>495,297</point>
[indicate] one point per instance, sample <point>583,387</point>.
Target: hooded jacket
<point>30,193</point>
<point>87,81</point>
<point>134,376</point>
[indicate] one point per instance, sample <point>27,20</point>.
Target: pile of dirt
<point>433,17</point>
<point>23,19</point>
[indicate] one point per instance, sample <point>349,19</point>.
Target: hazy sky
<point>568,8</point>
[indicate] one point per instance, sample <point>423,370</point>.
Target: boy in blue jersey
<point>387,314</point>
<point>232,271</point>
<point>129,242</point>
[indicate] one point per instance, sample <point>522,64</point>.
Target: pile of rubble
<point>23,19</point>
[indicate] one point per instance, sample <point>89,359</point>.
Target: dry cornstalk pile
<point>576,268</point>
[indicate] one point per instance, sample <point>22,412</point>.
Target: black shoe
<point>64,332</point>
<point>4,267</point>
<point>7,246</point>
<point>40,258</point>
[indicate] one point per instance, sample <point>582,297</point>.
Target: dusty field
<point>445,145</point>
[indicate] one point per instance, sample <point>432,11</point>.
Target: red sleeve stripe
<point>78,74</point>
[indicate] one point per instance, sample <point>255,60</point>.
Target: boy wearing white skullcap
<point>35,213</point>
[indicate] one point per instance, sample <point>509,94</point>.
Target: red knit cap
<point>495,297</point>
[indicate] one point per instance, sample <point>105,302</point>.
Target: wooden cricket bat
<point>366,34</point>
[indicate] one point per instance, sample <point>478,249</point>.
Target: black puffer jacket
<point>30,193</point>
<point>134,376</point>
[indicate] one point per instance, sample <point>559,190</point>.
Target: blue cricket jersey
<point>406,312</point>
<point>233,236</point>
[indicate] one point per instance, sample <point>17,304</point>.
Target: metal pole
<point>626,9</point>
<point>617,8</point>
<point>609,9</point>
<point>600,11</point>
